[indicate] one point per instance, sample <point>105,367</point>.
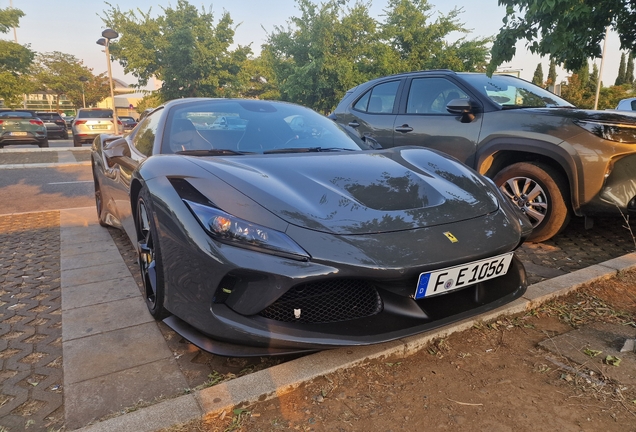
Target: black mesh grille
<point>328,301</point>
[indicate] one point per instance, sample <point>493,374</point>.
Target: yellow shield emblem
<point>449,235</point>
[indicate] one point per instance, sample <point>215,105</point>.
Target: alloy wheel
<point>529,196</point>
<point>147,261</point>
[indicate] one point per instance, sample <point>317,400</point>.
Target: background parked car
<point>128,122</point>
<point>54,123</point>
<point>550,159</point>
<point>91,122</point>
<point>69,122</point>
<point>628,104</point>
<point>22,127</point>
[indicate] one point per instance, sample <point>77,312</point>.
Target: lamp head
<point>110,34</point>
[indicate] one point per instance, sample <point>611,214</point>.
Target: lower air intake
<point>325,302</point>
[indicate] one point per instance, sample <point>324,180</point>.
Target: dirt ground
<point>492,377</point>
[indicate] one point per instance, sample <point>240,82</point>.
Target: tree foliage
<point>335,45</point>
<point>537,78</point>
<point>629,73</point>
<point>15,60</point>
<point>325,51</point>
<point>552,75</point>
<point>182,47</point>
<point>568,31</point>
<point>621,78</point>
<point>59,74</point>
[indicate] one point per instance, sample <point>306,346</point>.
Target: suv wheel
<point>77,142</point>
<point>44,143</point>
<point>539,191</point>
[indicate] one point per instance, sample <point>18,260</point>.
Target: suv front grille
<point>324,302</point>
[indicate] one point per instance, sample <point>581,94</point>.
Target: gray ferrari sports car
<point>286,233</point>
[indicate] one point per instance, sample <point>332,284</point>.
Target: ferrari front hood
<point>358,192</point>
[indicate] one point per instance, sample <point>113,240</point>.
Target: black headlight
<point>619,132</point>
<point>238,232</point>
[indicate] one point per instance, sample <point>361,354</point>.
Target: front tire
<point>540,192</point>
<point>150,262</point>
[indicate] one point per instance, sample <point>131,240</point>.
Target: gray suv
<point>551,159</point>
<point>91,122</point>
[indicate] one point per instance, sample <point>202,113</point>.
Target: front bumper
<point>221,291</point>
<point>619,189</point>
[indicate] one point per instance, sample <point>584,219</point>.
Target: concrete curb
<point>281,379</point>
<point>43,165</point>
<point>46,149</point>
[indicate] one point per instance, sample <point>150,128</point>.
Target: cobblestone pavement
<point>30,322</point>
<point>576,248</point>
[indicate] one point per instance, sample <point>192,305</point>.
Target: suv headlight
<point>619,132</point>
<point>238,232</point>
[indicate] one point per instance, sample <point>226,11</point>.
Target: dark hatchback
<point>54,123</point>
<point>551,159</point>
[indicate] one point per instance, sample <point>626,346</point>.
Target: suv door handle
<point>404,128</point>
<point>354,124</point>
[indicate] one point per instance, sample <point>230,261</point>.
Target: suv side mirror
<point>461,107</point>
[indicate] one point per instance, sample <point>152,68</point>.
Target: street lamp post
<point>109,34</point>
<point>83,80</point>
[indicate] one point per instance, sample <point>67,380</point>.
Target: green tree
<point>421,44</point>
<point>95,89</point>
<point>537,78</point>
<point>622,71</point>
<point>15,61</point>
<point>629,73</point>
<point>569,31</point>
<point>58,73</point>
<point>552,75</point>
<point>182,47</point>
<point>593,81</point>
<point>325,51</point>
<point>335,45</point>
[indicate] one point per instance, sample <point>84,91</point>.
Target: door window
<point>144,137</point>
<point>431,95</point>
<point>380,99</point>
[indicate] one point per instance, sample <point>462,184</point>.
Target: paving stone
<point>94,274</point>
<point>99,292</point>
<point>102,354</point>
<point>105,317</point>
<point>30,326</point>
<point>95,398</point>
<point>91,259</point>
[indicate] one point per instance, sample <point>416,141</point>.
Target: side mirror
<point>372,143</point>
<point>461,107</point>
<point>116,150</point>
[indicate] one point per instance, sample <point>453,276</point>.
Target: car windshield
<point>16,115</point>
<point>510,92</point>
<point>95,114</point>
<point>251,126</point>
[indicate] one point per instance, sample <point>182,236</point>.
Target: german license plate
<point>100,127</point>
<point>453,278</point>
<point>18,134</point>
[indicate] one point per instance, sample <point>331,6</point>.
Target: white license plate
<point>18,134</point>
<point>100,127</point>
<point>453,278</point>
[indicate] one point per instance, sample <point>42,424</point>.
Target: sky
<point>73,27</point>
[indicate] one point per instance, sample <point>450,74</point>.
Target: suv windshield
<point>510,92</point>
<point>95,114</point>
